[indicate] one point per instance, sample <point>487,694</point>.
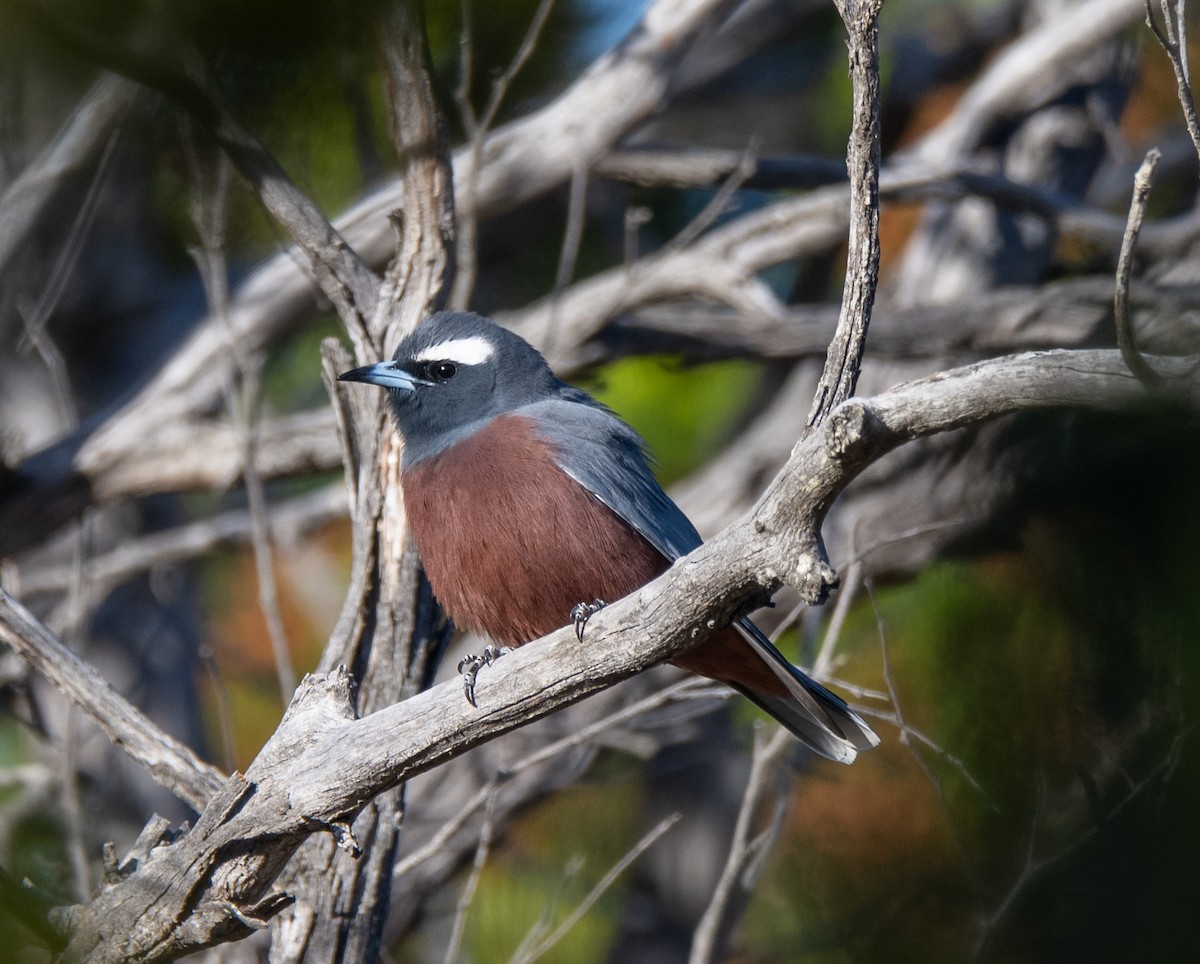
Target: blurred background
<point>1020,611</point>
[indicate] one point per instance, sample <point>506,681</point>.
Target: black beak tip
<point>354,375</point>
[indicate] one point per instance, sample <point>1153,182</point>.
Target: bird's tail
<point>755,668</point>
<point>821,719</point>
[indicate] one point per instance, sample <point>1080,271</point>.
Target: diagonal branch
<point>323,765</point>
<point>172,764</point>
<point>344,277</point>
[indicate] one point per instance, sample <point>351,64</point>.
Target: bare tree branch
<point>546,943</point>
<point>172,764</point>
<point>323,764</point>
<point>1137,212</point>
<point>844,357</point>
<point>766,773</point>
<point>1172,35</point>
<point>1026,75</point>
<point>77,144</point>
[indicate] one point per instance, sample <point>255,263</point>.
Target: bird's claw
<point>470,665</point>
<point>582,612</point>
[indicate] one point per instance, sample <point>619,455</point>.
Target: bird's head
<point>452,375</point>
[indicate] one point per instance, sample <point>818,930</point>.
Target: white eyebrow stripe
<point>474,350</point>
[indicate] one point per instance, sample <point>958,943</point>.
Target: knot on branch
<point>323,698</point>
<point>815,578</point>
<point>849,431</point>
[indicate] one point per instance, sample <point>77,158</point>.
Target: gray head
<point>454,374</point>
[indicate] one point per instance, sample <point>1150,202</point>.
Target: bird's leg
<point>470,665</point>
<point>582,612</point>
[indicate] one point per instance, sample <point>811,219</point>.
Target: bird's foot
<point>582,612</point>
<point>470,665</point>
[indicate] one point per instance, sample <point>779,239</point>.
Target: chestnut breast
<point>510,542</point>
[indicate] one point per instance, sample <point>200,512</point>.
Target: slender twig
<point>51,173</point>
<point>64,264</point>
<point>468,892</point>
<point>719,203</point>
<point>844,358</point>
<point>209,209</point>
<point>477,129</point>
<point>1034,866</point>
<point>223,702</point>
<point>568,254</point>
<point>906,732</point>
<point>593,895</point>
<point>716,924</point>
<point>72,807</point>
<point>1172,35</point>
<point>683,689</point>
<point>1133,226</point>
<point>288,518</point>
<point>169,762</point>
<point>851,580</point>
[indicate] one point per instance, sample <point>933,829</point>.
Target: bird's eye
<point>443,371</point>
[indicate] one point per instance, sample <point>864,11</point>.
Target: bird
<point>530,503</point>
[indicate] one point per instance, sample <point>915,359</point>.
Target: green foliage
<point>685,414</point>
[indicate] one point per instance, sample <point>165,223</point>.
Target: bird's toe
<point>470,665</point>
<point>582,612</point>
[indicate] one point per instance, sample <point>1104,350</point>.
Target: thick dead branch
<point>323,765</point>
<point>389,631</point>
<point>210,455</point>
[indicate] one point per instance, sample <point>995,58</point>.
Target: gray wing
<point>608,458</point>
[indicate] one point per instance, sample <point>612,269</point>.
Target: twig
<point>1033,866</point>
<point>1137,212</point>
<point>72,806</point>
<point>1172,35</point>
<point>598,891</point>
<point>851,580</point>
<point>844,357</point>
<point>589,733</point>
<point>209,210</point>
<point>477,129</point>
<point>288,519</point>
<point>468,892</point>
<point>907,733</point>
<point>35,321</point>
<point>91,124</point>
<point>171,764</point>
<point>719,203</point>
<point>716,924</point>
<point>568,254</point>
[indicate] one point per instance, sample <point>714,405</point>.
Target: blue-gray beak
<point>384,374</point>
